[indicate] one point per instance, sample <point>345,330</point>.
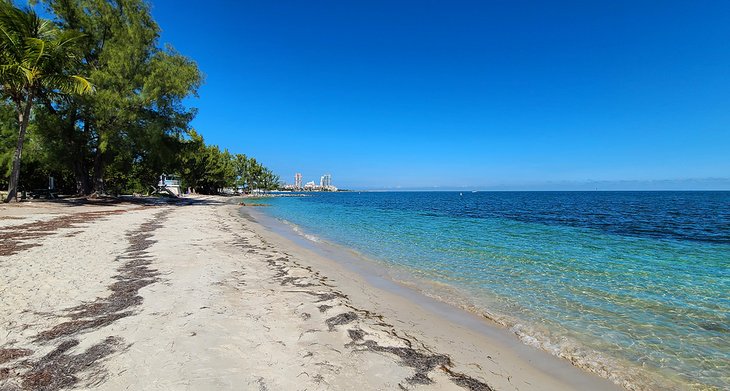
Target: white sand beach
<point>201,296</point>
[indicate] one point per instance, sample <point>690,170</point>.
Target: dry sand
<point>200,296</point>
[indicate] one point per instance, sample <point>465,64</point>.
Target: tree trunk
<point>23,119</point>
<point>80,166</point>
<point>81,177</point>
<point>99,171</point>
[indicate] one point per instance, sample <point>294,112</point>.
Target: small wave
<point>312,238</point>
<point>611,368</point>
<point>301,233</point>
<point>618,372</point>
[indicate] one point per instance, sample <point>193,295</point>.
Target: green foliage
<point>207,169</point>
<point>136,115</point>
<point>35,54</point>
<point>134,126</point>
<point>36,60</point>
<point>8,139</point>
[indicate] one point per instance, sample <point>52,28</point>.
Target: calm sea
<point>632,285</point>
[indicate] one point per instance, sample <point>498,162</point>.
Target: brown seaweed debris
<point>295,281</point>
<point>343,318</point>
<point>58,370</point>
<point>422,362</point>
<point>325,296</point>
<point>465,381</point>
<point>282,274</point>
<point>10,354</point>
<point>356,335</point>
<point>124,293</point>
<point>12,239</point>
<point>133,276</point>
<point>14,247</point>
<point>75,326</point>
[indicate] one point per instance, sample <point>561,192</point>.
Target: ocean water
<point>634,286</point>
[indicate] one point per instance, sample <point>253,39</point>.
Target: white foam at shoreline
<point>569,350</point>
<point>620,373</point>
<point>296,229</point>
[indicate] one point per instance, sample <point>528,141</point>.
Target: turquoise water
<point>633,286</point>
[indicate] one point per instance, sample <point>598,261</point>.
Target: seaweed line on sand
<point>58,369</point>
<point>133,275</point>
<point>14,239</point>
<point>421,360</point>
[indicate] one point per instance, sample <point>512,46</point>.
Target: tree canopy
<point>36,61</point>
<point>107,99</point>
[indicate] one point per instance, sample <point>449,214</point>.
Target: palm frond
<point>8,39</point>
<point>72,84</point>
<point>18,22</point>
<point>36,54</point>
<point>34,50</point>
<point>68,37</point>
<point>7,70</point>
<point>82,85</point>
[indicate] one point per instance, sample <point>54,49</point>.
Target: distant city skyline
<point>509,95</point>
<point>325,183</point>
<point>298,179</point>
<point>721,184</point>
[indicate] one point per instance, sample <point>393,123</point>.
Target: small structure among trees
<point>170,184</point>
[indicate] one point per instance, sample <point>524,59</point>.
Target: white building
<point>297,181</point>
<point>325,181</point>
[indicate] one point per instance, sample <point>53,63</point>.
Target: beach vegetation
<point>108,103</point>
<point>207,169</point>
<point>36,66</point>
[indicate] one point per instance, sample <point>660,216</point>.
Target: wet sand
<point>202,296</point>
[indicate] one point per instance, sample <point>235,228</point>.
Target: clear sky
<point>480,94</point>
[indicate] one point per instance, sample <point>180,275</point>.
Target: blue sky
<point>477,94</point>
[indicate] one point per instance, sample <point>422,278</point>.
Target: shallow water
<point>632,285</point>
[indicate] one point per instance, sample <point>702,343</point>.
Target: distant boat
<point>473,191</point>
<point>461,194</point>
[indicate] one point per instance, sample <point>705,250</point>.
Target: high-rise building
<point>298,181</point>
<point>325,181</point>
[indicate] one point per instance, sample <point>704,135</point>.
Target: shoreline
<point>605,334</point>
<point>427,316</point>
<point>198,296</point>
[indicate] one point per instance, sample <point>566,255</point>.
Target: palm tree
<point>35,58</point>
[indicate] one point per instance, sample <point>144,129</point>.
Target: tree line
<point>91,98</point>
